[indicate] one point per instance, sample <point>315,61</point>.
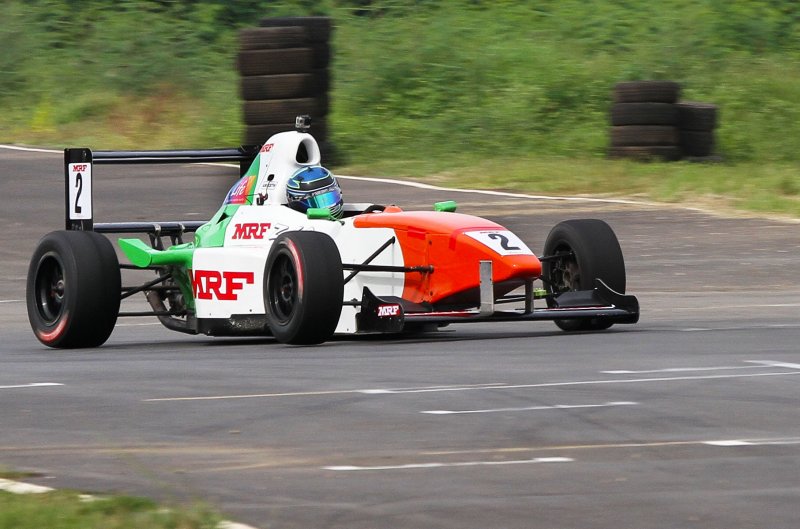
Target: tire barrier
<point>284,72</point>
<point>696,122</point>
<point>648,121</point>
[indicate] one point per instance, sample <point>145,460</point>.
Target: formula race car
<point>285,256</point>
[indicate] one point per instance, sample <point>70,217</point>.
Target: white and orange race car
<point>304,270</point>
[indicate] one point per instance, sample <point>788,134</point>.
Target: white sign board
<point>80,191</point>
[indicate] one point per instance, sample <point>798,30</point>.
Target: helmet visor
<point>326,199</point>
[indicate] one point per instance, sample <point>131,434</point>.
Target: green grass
<point>467,92</point>
<point>66,510</point>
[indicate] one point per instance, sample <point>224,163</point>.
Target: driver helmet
<point>314,187</point>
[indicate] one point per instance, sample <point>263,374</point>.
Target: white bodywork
<point>229,280</point>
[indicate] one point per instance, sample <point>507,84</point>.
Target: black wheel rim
<point>283,288</point>
<point>50,289</point>
<point>565,274</point>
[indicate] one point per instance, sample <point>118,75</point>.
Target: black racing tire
<point>269,111</point>
<point>665,153</point>
<point>319,27</point>
<point>274,38</point>
<point>590,251</point>
<point>303,288</point>
<point>646,92</point>
<point>643,135</point>
<point>285,86</point>
<point>273,62</point>
<point>73,289</point>
<point>696,116</point>
<point>697,143</point>
<point>643,114</point>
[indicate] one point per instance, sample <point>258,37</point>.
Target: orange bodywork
<point>430,238</point>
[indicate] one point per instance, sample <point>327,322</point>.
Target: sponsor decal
<point>267,147</point>
<point>387,311</point>
<point>241,190</point>
<point>79,167</point>
<point>224,286</point>
<point>250,230</point>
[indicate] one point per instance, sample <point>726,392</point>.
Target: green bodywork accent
<point>178,259</point>
<point>448,206</point>
<point>319,213</point>
<point>142,255</point>
<point>539,293</point>
<point>212,233</point>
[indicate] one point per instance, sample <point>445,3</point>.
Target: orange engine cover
<point>454,244</point>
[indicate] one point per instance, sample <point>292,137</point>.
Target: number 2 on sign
<point>80,191</point>
<point>79,186</point>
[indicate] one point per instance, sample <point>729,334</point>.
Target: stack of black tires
<point>644,120</point>
<point>284,72</point>
<point>649,122</point>
<point>696,124</point>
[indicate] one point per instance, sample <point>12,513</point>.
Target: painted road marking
<point>440,389</point>
<point>32,385</point>
<point>525,196</point>
<point>11,301</point>
<point>29,149</point>
<point>676,370</point>
<point>420,185</point>
<point>315,393</point>
<point>18,487</point>
<point>350,468</point>
<point>532,408</point>
<point>761,364</point>
<point>590,382</point>
<point>722,443</point>
<point>772,363</point>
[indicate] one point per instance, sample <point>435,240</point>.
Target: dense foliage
<point>412,79</point>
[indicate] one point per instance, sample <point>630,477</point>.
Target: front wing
<point>393,314</point>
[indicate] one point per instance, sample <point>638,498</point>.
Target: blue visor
<point>329,198</point>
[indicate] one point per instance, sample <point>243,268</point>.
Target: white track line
<point>439,389</point>
<point>531,408</point>
<point>769,441</point>
<point>30,149</point>
<point>32,385</point>
<point>18,487</point>
<point>721,443</point>
<point>762,364</point>
<point>475,191</point>
<point>350,468</point>
<point>430,187</point>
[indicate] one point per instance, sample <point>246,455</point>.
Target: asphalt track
<point>687,419</point>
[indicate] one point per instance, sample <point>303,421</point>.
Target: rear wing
<point>78,163</point>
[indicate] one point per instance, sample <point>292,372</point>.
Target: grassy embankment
<point>512,95</point>
<point>67,510</point>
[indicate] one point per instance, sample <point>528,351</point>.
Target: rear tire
<point>73,289</point>
<point>590,251</point>
<point>303,288</point>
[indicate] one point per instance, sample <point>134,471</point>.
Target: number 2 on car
<point>79,186</point>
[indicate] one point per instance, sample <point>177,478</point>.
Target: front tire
<point>73,289</point>
<point>303,288</point>
<point>586,249</point>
